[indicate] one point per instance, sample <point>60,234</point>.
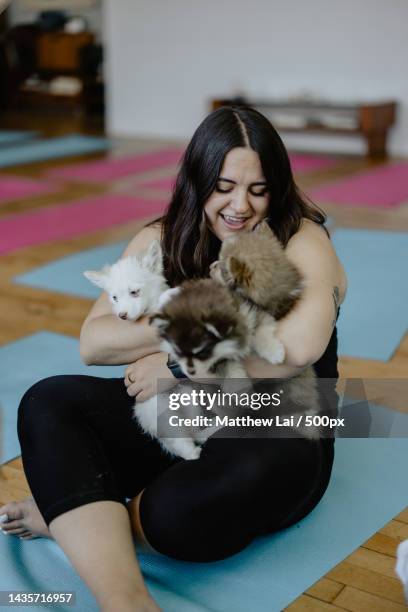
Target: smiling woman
<point>234,173</point>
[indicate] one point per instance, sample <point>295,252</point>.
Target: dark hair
<point>189,245</point>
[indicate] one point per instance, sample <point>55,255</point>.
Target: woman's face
<point>240,199</point>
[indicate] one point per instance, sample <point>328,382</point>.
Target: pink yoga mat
<point>75,219</point>
<point>303,163</point>
<point>17,188</point>
<point>115,168</point>
<point>300,164</point>
<point>162,184</point>
<point>386,187</point>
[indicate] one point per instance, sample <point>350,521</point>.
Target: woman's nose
<point>239,203</point>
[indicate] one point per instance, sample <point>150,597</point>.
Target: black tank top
<point>326,366</point>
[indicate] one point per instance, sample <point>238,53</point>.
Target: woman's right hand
<point>141,376</point>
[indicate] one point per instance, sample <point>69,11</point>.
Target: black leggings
<point>80,444</point>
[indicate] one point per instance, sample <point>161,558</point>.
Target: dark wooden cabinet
<point>60,51</point>
<point>60,54</point>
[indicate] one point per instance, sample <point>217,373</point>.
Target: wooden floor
<point>365,580</point>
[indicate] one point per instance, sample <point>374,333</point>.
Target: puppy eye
<point>135,293</point>
<point>114,298</point>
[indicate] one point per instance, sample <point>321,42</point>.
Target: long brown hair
<point>189,246</point>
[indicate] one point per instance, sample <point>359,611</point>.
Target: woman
<point>83,453</point>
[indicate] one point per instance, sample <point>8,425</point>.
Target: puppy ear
<point>98,278</point>
<point>262,228</point>
<point>152,259</point>
<point>167,296</point>
<point>240,272</point>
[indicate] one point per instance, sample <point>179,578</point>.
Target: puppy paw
<point>277,354</point>
<point>270,349</point>
<point>195,453</point>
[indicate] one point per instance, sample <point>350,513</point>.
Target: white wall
<point>166,60</point>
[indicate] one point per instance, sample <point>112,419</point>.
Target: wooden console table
<point>372,121</point>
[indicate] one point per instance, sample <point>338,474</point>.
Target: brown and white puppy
<point>204,330</point>
<point>255,267</point>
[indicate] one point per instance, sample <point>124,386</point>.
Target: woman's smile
<point>232,222</point>
<point>240,199</point>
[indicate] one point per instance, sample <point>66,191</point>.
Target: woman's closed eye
<point>258,190</point>
<point>255,190</point>
<point>223,189</point>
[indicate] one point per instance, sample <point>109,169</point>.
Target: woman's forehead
<point>242,163</point>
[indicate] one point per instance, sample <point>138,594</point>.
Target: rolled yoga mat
<point>52,148</point>
<point>8,137</point>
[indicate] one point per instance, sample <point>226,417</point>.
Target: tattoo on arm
<point>336,300</point>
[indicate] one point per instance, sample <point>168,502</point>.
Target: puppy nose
<point>123,315</point>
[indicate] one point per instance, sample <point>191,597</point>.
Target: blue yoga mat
<point>369,476</point>
<point>26,361</point>
<point>367,489</point>
<point>373,317</point>
<point>42,567</point>
<point>66,275</point>
<point>8,137</point>
<point>52,148</point>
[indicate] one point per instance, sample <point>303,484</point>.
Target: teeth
<point>234,219</point>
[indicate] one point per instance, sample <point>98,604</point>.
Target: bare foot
<point>23,519</point>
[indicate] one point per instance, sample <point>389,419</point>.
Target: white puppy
<point>136,287</point>
<point>134,284</point>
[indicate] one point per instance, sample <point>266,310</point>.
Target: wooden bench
<point>372,121</point>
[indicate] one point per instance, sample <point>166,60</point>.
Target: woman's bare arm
<point>107,340</point>
<point>305,332</point>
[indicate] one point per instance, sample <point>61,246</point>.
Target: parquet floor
<point>363,581</point>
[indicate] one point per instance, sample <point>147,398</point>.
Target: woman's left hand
<point>142,375</point>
